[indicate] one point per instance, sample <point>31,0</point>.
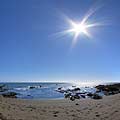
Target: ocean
<point>42,90</point>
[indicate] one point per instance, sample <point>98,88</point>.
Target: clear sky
<point>30,50</point>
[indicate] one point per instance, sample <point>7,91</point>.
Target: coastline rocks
<point>31,87</point>
<point>90,94</point>
<point>72,98</point>
<point>3,88</point>
<point>9,95</point>
<point>76,96</point>
<point>109,89</point>
<point>76,89</point>
<point>96,96</point>
<point>34,87</point>
<point>99,91</point>
<point>61,90</point>
<point>67,95</point>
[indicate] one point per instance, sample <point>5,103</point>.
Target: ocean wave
<point>30,87</point>
<point>21,89</point>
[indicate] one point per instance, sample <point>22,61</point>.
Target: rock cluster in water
<point>34,87</point>
<point>9,95</point>
<point>5,93</point>
<point>76,93</point>
<point>3,88</point>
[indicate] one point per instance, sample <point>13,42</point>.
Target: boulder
<point>96,96</point>
<point>3,88</point>
<point>83,96</point>
<point>32,87</point>
<point>76,89</point>
<point>72,98</point>
<point>109,88</point>
<point>59,88</point>
<point>76,96</point>
<point>90,94</point>
<point>9,95</point>
<point>67,95</point>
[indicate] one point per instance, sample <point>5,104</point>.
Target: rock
<point>60,91</point>
<point>59,88</point>
<point>109,89</point>
<point>72,98</point>
<point>67,95</point>
<point>10,95</point>
<point>96,96</point>
<point>90,94</point>
<point>3,88</point>
<point>76,96</point>
<point>83,96</point>
<point>28,95</point>
<point>73,86</point>
<point>76,89</point>
<point>32,87</point>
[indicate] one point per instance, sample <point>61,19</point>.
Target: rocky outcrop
<point>96,96</point>
<point>9,95</point>
<point>109,89</point>
<point>3,88</point>
<point>101,90</point>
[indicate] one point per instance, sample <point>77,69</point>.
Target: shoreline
<point>59,92</point>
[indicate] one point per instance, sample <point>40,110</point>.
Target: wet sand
<point>107,108</point>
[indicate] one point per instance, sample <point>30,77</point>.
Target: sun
<point>82,28</point>
<point>79,28</point>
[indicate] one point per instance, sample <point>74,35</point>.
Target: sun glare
<point>80,28</point>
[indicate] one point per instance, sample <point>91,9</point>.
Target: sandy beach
<point>107,108</point>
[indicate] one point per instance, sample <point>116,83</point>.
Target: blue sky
<point>29,51</point>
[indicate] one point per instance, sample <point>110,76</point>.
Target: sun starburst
<point>80,28</point>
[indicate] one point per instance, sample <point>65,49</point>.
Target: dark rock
<point>73,86</point>
<point>72,98</point>
<point>90,94</point>
<point>109,89</point>
<point>61,91</point>
<point>76,104</point>
<point>55,115</point>
<point>97,115</point>
<point>76,89</point>
<point>59,88</point>
<point>32,87</point>
<point>112,87</point>
<point>83,96</point>
<point>96,96</point>
<point>67,95</point>
<point>10,95</point>
<point>76,96</point>
<point>28,95</point>
<point>3,88</point>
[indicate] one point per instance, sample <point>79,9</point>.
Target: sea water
<point>42,90</point>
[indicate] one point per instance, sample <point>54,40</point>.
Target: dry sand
<point>107,108</point>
